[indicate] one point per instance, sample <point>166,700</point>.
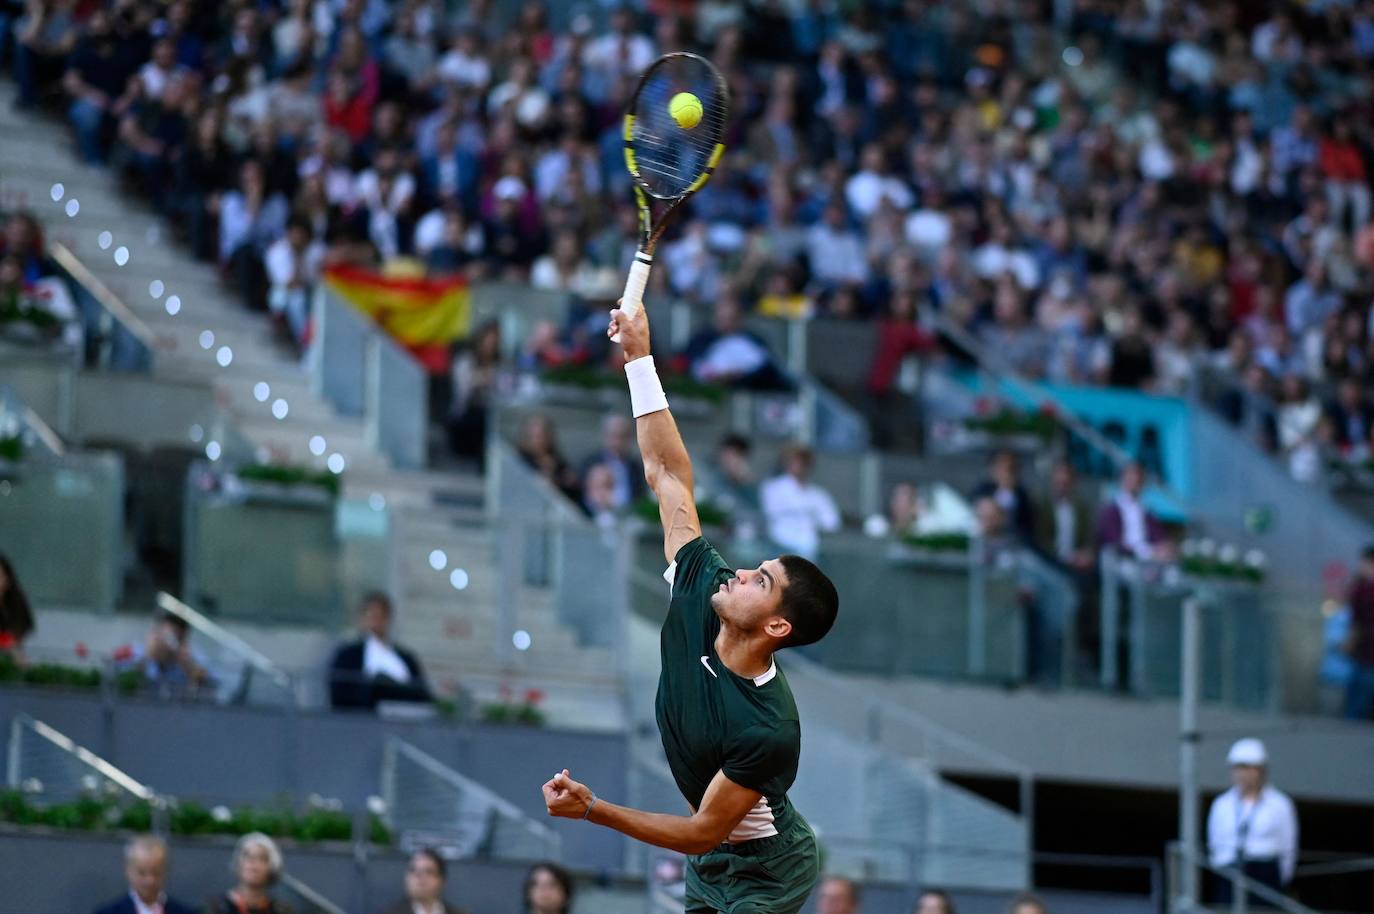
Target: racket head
<point>668,161</point>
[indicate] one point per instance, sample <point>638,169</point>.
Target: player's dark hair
<point>809,601</point>
<point>560,876</point>
<point>945,901</point>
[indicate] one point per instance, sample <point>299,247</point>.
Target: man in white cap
<point>1252,827</point>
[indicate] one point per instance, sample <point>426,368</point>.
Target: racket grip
<point>633,299</point>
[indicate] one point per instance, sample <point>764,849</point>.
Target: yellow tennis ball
<point>685,109</point>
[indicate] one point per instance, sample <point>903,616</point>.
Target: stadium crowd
<point>1126,196</point>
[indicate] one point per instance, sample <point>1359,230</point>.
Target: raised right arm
<point>667,466</point>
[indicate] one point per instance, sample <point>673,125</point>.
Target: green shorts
<point>773,875</point>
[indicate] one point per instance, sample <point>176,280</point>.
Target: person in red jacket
<point>1347,181</point>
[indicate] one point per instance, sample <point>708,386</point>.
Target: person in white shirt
<point>796,510</point>
<point>294,262</point>
<point>873,183</point>
<point>1252,827</point>
<point>374,668</point>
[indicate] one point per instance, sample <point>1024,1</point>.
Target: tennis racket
<point>668,161</point>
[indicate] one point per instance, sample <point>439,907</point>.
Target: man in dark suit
<point>1064,522</point>
<point>1350,413</point>
<point>617,453</point>
<point>426,875</point>
<point>145,866</point>
<point>1126,526</point>
<point>1003,486</point>
<point>373,668</point>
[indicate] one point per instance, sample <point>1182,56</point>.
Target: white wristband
<point>646,392</point>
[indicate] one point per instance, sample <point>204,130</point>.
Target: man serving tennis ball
<point>728,722</point>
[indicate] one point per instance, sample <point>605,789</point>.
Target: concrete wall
<point>247,755</point>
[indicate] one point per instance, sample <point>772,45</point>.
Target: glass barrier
<point>293,531</point>
<point>71,505</point>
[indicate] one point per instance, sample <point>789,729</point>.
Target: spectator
<point>616,454</point>
<point>1359,696</point>
<point>16,619</point>
<point>374,669</point>
<point>1347,182</point>
<point>796,510</point>
<point>43,38</point>
<point>727,353</point>
<point>933,901</point>
<point>1003,486</point>
<point>474,375</point>
<point>1338,667</point>
<point>251,218</point>
<point>837,895</point>
<point>257,865</point>
<point>1027,903</point>
<point>1252,827</point>
<point>538,446</point>
<point>294,263</point>
<point>1126,526</point>
<point>1351,415</point>
<point>1298,421</point>
<point>95,72</point>
<point>599,495</point>
<point>1063,527</point>
<point>903,510</point>
<point>168,659</point>
<point>728,484</point>
<point>426,875</point>
<point>835,250</point>
<point>145,867</point>
<point>548,890</point>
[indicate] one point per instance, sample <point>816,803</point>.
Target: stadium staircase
<point>428,510</point>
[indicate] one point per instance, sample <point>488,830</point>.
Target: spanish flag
<point>424,315</point>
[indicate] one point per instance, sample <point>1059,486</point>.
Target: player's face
<point>751,599</point>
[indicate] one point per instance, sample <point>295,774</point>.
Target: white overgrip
<point>633,299</point>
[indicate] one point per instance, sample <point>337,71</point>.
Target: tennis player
<point>727,718</point>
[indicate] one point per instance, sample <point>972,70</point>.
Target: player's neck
<point>740,655</point>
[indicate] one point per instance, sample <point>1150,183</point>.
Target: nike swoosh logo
<point>707,663</point>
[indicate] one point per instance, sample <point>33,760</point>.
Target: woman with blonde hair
<point>256,865</point>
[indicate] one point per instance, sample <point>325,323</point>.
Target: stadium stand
<point>301,300</point>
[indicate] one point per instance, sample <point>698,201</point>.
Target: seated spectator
<point>96,72</point>
<point>548,890</point>
<point>617,454</point>
<point>426,875</point>
<point>1126,526</point>
<point>835,250</point>
<point>145,867</point>
<point>23,238</point>
<point>1347,181</point>
<point>796,510</point>
<point>837,895</point>
<point>599,495</point>
<point>567,269</point>
<point>1359,695</point>
<point>1003,486</point>
<point>1338,667</point>
<point>538,446</point>
<point>933,901</point>
<point>43,38</point>
<point>474,376</point>
<point>1027,903</point>
<point>294,263</point>
<point>257,865</point>
<point>16,619</point>
<point>250,219</point>
<point>727,353</point>
<point>728,484</point>
<point>903,510</point>
<point>167,657</point>
<point>1298,421</point>
<point>1064,526</point>
<point>373,668</point>
<point>1351,415</point>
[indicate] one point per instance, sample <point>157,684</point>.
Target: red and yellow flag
<point>424,315</point>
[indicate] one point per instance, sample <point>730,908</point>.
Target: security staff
<point>1252,827</point>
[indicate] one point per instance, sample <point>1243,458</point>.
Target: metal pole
<point>1110,616</point>
<point>1187,750</point>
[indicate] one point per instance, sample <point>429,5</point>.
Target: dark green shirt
<point>713,720</point>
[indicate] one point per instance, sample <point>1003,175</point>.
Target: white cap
<point>1248,751</point>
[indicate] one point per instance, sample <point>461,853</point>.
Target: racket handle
<point>633,299</point>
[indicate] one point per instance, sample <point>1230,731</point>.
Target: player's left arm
<point>722,807</point>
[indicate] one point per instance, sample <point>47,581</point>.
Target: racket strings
<point>670,158</point>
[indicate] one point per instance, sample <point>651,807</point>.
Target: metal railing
<point>44,761</point>
<point>1181,867</point>
<point>430,804</point>
<point>308,899</point>
<point>17,418</point>
<point>117,339</point>
<point>255,666</point>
